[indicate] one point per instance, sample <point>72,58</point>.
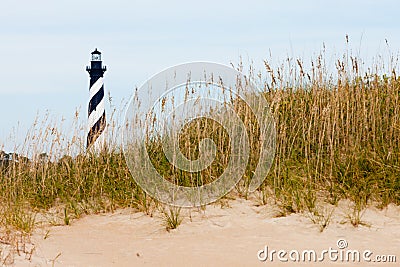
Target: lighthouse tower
<point>96,111</point>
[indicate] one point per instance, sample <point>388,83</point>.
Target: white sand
<point>229,236</point>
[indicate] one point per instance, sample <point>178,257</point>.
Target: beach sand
<point>217,236</point>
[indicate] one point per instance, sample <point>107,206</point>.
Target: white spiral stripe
<point>99,142</point>
<point>96,114</point>
<point>95,87</point>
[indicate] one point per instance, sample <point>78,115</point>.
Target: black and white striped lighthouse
<point>96,110</point>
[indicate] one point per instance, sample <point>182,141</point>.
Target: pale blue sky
<point>45,45</point>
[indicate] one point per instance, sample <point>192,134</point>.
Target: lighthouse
<point>96,110</point>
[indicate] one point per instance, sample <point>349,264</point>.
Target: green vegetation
<point>337,138</point>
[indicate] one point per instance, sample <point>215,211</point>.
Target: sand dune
<point>229,236</point>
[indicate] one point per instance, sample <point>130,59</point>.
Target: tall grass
<point>337,138</point>
<point>65,176</point>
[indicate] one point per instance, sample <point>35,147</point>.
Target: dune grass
<point>337,138</point>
